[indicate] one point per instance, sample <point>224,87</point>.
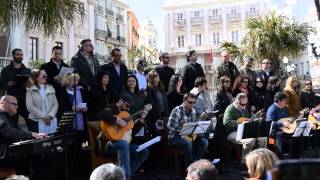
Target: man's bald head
<point>8,104</point>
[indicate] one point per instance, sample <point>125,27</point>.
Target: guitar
<point>292,121</point>
<point>314,113</point>
<point>115,132</point>
<point>253,117</point>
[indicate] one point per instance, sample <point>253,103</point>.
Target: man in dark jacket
<point>191,71</point>
<point>129,159</point>
<point>265,71</point>
<point>86,65</point>
<point>53,68</point>
<point>118,72</point>
<point>227,68</point>
<point>164,70</point>
<point>13,80</point>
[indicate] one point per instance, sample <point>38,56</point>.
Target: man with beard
<point>53,68</point>
<point>9,81</point>
<point>164,70</point>
<point>246,70</point>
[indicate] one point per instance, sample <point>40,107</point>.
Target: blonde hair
<point>260,161</point>
<point>289,83</point>
<point>68,78</point>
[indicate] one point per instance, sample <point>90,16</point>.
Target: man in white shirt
<point>140,74</point>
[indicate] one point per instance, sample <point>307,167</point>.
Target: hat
<point>127,98</point>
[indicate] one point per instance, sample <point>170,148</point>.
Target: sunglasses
<point>243,104</point>
<point>258,81</point>
<point>165,57</point>
<point>191,102</point>
<point>308,84</point>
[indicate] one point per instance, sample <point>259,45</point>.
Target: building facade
<point>38,47</point>
<point>133,31</point>
<point>202,25</point>
<point>148,41</point>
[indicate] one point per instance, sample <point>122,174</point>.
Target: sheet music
<point>304,129</point>
<point>201,128</point>
<point>148,143</point>
<point>65,70</point>
<point>240,131</point>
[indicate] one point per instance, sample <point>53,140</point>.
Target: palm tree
<point>273,36</point>
<point>50,15</point>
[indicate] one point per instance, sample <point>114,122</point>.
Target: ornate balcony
<point>252,14</point>
<point>179,23</point>
<point>119,18</point>
<point>98,9</point>
<point>215,19</point>
<point>234,17</point>
<point>121,39</point>
<point>197,21</point>
<point>100,33</point>
<point>109,13</point>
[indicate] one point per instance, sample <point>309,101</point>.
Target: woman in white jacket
<point>42,103</point>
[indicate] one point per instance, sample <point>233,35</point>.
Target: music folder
<point>253,130</point>
<point>200,127</point>
<point>303,129</point>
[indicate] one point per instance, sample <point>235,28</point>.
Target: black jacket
<point>81,66</point>
<point>190,73</point>
<point>228,69</point>
<point>309,100</point>
<point>9,73</point>
<point>165,74</point>
<point>222,101</point>
<point>174,99</point>
<point>117,83</point>
<point>263,75</point>
<point>52,71</point>
<point>259,99</point>
<point>9,133</point>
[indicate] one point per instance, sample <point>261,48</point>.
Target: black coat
<point>259,99</point>
<point>222,101</point>
<point>117,83</point>
<point>87,79</point>
<point>174,99</point>
<point>165,74</point>
<point>309,100</point>
<point>190,73</point>
<point>52,71</point>
<point>263,75</point>
<point>9,73</point>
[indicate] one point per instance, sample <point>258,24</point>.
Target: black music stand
<point>195,128</point>
<point>65,127</point>
<point>253,129</point>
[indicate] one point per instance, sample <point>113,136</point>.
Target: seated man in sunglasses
<point>238,109</point>
<point>185,113</point>
<point>129,160</point>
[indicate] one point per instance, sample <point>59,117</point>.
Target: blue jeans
<point>200,146</point>
<point>129,160</point>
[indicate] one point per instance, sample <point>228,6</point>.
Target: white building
<point>38,47</point>
<point>202,25</point>
<point>148,41</point>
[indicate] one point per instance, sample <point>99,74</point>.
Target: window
<point>198,39</point>
<point>33,45</point>
<point>180,41</point>
<point>197,14</point>
<point>215,12</point>
<point>233,10</point>
<point>252,8</point>
<point>180,16</point>
<point>216,38</point>
<point>234,36</point>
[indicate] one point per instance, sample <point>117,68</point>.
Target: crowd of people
<point>100,93</point>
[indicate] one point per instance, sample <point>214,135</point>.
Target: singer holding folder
<point>238,109</point>
<point>185,113</point>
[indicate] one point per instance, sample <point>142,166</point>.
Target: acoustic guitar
<point>292,121</point>
<point>253,117</point>
<point>115,132</point>
<point>312,117</point>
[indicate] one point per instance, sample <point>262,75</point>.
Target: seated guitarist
<point>128,158</point>
<point>276,111</point>
<point>185,114</point>
<point>238,109</point>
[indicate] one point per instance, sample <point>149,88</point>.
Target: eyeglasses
<point>165,57</point>
<point>15,104</point>
<point>308,84</point>
<point>258,81</point>
<point>191,102</point>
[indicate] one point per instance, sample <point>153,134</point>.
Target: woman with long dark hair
<point>132,89</point>
<point>259,95</point>
<point>175,96</point>
<point>100,97</point>
<point>224,95</point>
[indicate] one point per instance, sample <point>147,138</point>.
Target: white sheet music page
<point>148,143</point>
<point>240,131</point>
